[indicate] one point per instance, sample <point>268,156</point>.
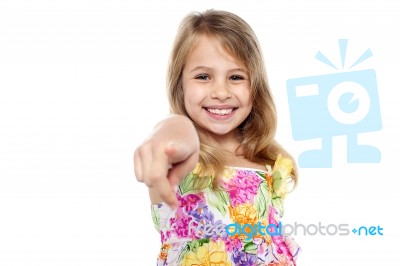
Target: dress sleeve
<point>155,215</point>
<point>280,178</point>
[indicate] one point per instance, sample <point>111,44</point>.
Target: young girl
<point>215,174</point>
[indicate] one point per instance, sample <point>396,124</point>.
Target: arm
<point>166,156</point>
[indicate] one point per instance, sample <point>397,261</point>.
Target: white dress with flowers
<point>237,225</point>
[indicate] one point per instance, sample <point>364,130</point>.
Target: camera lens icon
<point>348,102</point>
<point>339,104</point>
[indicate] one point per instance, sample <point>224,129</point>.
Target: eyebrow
<point>209,68</point>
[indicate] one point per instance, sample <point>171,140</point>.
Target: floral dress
<point>236,225</point>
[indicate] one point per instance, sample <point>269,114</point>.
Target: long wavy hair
<point>257,132</point>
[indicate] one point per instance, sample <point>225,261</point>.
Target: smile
<point>220,111</point>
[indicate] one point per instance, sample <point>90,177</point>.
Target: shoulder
<point>281,174</point>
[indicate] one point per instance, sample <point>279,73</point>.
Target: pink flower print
<point>243,187</point>
<point>165,236</point>
<point>190,201</point>
<point>233,243</point>
<point>180,225</point>
<point>278,240</point>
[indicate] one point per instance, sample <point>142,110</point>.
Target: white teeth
<point>220,111</point>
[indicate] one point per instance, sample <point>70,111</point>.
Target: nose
<point>220,90</point>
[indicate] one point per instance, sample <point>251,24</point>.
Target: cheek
<point>245,95</point>
<point>189,100</point>
<point>193,95</point>
<point>248,101</point>
<point>186,102</point>
<point>192,103</point>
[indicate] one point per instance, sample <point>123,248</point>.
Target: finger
<point>160,167</point>
<point>137,166</point>
<point>159,164</point>
<point>177,152</point>
<point>146,160</point>
<point>178,172</point>
<point>164,189</point>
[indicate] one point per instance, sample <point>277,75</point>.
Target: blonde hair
<point>238,39</point>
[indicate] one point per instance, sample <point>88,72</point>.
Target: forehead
<point>208,48</point>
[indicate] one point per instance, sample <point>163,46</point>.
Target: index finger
<point>159,181</point>
<point>137,166</point>
<point>166,192</point>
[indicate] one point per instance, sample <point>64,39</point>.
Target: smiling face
<point>216,87</point>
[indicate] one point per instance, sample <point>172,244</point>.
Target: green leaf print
<point>217,199</point>
<point>250,247</point>
<point>192,246</point>
<point>277,180</point>
<point>277,202</point>
<point>156,217</point>
<point>262,200</point>
<point>188,184</point>
<point>195,244</point>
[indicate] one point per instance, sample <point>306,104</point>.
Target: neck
<point>228,142</point>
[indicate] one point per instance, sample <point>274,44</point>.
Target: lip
<point>220,107</point>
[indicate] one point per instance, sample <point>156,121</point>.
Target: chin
<point>221,132</point>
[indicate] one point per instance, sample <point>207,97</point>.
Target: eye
<point>202,77</point>
<point>236,77</point>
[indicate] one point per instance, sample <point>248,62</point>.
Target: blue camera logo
<point>325,106</point>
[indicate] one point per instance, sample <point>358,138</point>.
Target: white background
<point>83,82</point>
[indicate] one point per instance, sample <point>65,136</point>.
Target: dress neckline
<point>246,168</point>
